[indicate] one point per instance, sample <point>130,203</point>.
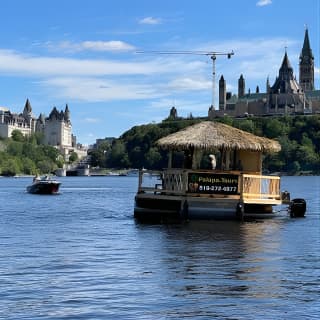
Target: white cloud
<point>262,3</point>
<point>150,20</point>
<point>106,46</point>
<point>190,83</point>
<point>152,76</point>
<point>14,63</point>
<point>92,120</point>
<point>98,90</point>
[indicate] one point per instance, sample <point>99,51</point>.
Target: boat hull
<point>44,187</point>
<point>162,208</point>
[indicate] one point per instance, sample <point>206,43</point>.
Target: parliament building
<point>286,96</point>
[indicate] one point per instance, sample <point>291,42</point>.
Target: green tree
<point>73,157</point>
<point>118,157</point>
<point>10,167</point>
<point>14,148</point>
<point>47,166</point>
<point>246,125</point>
<point>153,157</point>
<point>17,135</point>
<point>28,166</point>
<point>274,129</point>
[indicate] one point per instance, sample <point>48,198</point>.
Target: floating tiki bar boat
<point>234,188</point>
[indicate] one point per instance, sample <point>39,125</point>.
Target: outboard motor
<point>297,208</point>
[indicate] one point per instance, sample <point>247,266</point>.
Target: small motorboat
<point>44,185</point>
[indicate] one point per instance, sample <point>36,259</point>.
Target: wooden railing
<point>257,188</point>
<point>249,188</point>
<point>173,181</point>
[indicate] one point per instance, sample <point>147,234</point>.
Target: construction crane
<point>212,54</point>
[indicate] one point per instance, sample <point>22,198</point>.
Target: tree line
<point>299,137</point>
<point>28,155</point>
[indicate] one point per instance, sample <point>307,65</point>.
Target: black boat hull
<point>44,187</point>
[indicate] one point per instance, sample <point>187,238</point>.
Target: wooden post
<point>260,162</point>
<point>170,159</point>
<point>227,159</point>
<point>140,180</point>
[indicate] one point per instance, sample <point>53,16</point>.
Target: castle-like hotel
<point>285,96</point>
<point>56,129</point>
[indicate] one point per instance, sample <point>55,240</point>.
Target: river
<point>81,255</point>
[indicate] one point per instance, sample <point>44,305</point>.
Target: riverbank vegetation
<point>299,137</point>
<point>27,155</point>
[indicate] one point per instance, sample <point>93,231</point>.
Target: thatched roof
<point>209,135</point>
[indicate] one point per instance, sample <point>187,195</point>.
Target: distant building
<point>285,96</point>
<point>56,128</point>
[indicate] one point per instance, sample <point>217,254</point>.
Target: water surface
<point>81,255</point>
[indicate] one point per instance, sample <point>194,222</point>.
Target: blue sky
<point>84,53</point>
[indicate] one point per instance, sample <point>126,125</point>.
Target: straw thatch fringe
<point>210,135</point>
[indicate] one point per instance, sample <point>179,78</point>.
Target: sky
<point>105,58</point>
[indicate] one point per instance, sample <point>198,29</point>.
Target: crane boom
<point>212,54</point>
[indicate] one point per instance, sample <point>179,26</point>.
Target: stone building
<point>56,128</point>
<point>24,121</point>
<point>285,96</point>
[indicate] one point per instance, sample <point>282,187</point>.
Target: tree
<point>46,166</point>
<point>73,157</point>
<point>274,129</point>
<point>246,125</point>
<point>10,167</point>
<point>17,135</point>
<point>153,157</point>
<point>118,157</point>
<point>28,166</point>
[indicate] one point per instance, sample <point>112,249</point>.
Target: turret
<point>27,111</point>
<point>222,94</point>
<point>268,85</point>
<point>67,114</point>
<point>241,87</point>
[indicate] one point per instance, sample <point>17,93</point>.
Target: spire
<point>268,85</point>
<point>286,63</point>
<point>67,113</point>
<point>42,118</point>
<point>306,49</point>
<point>285,82</point>
<point>27,107</point>
<point>27,111</point>
<point>306,65</point>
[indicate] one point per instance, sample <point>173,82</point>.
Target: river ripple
<point>80,255</point>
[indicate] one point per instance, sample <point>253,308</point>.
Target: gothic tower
<point>222,94</point>
<point>67,114</point>
<point>241,87</point>
<point>27,115</point>
<point>27,111</point>
<point>267,85</point>
<point>285,82</point>
<point>306,65</point>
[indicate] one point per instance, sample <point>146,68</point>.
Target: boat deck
<point>217,192</point>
